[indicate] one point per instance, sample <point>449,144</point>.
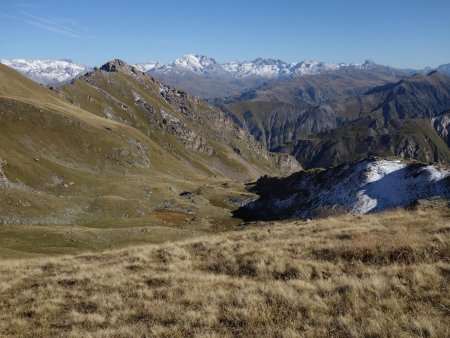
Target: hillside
<point>282,112</point>
<point>81,181</point>
<point>180,123</point>
<point>382,274</point>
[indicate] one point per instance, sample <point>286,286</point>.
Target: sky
<point>400,33</point>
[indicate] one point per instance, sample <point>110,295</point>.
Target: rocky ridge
<point>121,92</point>
<point>370,185</point>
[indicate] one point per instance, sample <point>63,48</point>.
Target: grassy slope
<point>373,275</point>
<point>104,93</point>
<point>70,169</point>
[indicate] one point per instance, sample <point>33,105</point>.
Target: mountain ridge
<point>259,67</point>
<point>56,71</point>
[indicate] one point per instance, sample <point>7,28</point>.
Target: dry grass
<point>383,275</point>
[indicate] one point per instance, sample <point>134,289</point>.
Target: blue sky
<point>396,32</point>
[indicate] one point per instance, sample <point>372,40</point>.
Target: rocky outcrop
<point>114,66</point>
<point>286,164</point>
<point>370,185</point>
<point>3,180</point>
<point>187,136</point>
<point>442,126</point>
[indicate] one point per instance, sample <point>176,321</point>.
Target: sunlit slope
<point>183,125</point>
<point>61,165</point>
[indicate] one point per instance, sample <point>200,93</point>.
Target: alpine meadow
<point>233,169</point>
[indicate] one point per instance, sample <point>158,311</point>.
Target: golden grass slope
<point>69,175</point>
<point>383,275</point>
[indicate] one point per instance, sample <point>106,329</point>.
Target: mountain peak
<point>367,63</point>
<point>115,65</point>
<point>194,62</point>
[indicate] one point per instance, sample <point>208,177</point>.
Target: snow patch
<point>371,185</point>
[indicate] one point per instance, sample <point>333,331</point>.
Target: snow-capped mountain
<point>444,69</point>
<point>260,67</point>
<point>195,63</point>
<point>53,72</point>
<point>188,63</point>
<point>265,68</point>
<point>47,71</point>
<point>148,66</point>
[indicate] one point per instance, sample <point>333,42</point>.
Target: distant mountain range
<point>190,66</point>
<point>267,68</point>
<point>47,71</point>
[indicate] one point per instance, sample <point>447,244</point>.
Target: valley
<point>135,166</point>
<point>115,158</point>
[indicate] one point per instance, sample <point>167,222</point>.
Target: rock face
<point>371,185</point>
<point>3,180</point>
<point>442,126</point>
<point>187,136</point>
